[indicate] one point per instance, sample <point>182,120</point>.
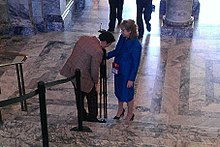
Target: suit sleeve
<point>114,52</point>
<point>95,65</point>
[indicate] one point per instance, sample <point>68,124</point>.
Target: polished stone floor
<point>177,100</point>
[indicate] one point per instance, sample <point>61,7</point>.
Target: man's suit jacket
<point>86,56</point>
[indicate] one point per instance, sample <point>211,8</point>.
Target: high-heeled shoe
<point>121,115</point>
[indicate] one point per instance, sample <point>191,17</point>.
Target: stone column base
<point>23,27</point>
<point>181,24</point>
<point>177,32</point>
<point>55,23</point>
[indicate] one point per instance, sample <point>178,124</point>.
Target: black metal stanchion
<point>100,90</point>
<point>103,86</point>
<point>19,85</point>
<point>21,88</point>
<point>1,120</point>
<point>43,113</point>
<point>22,85</point>
<point>80,105</point>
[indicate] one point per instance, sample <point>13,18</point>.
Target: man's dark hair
<point>107,36</point>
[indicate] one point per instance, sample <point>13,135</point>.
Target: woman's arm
<point>136,57</point>
<point>115,51</point>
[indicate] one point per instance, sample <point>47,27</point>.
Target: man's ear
<point>108,44</point>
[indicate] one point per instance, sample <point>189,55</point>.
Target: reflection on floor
<point>177,101</point>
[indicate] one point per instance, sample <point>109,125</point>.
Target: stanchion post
<point>43,113</point>
<point>19,85</point>
<point>104,72</point>
<point>1,120</point>
<point>79,100</point>
<point>80,105</point>
<point>22,85</point>
<point>100,91</point>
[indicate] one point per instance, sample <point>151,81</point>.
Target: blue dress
<point>127,54</point>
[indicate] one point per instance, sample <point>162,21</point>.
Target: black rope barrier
<point>57,82</point>
<point>18,99</point>
<point>41,90</point>
<point>13,100</point>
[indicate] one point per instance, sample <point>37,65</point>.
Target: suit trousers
<point>143,7</point>
<point>116,8</point>
<point>92,102</point>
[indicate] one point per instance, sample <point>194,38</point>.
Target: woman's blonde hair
<point>130,25</point>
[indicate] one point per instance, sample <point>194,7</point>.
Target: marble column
<point>177,21</point>
<point>52,14</point>
<point>196,9</point>
<point>38,17</point>
<point>20,16</point>
<point>63,5</point>
<point>178,12</point>
<point>4,20</point>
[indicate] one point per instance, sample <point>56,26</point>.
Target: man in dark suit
<point>143,7</point>
<point>87,56</point>
<point>116,8</point>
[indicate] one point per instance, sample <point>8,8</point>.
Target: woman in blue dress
<point>127,55</point>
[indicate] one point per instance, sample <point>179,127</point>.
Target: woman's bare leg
<point>130,110</point>
<point>120,109</point>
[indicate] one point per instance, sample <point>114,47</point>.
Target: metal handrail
<point>14,54</point>
<point>18,61</point>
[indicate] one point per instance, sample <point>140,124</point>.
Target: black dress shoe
<point>148,27</point>
<point>95,120</point>
<point>122,114</point>
<point>101,121</point>
<point>119,23</point>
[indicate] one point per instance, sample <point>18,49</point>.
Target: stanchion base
<point>101,120</point>
<point>83,129</point>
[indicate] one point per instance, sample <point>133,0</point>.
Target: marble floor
<point>177,100</point>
